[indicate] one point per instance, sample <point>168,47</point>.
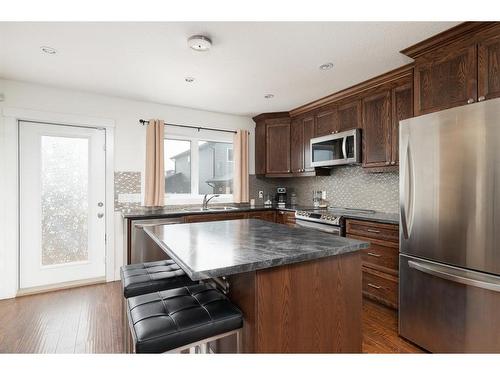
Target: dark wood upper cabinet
<point>377,129</point>
<point>489,66</point>
<point>349,115</point>
<point>309,132</point>
<point>326,122</point>
<point>260,147</point>
<point>278,146</point>
<point>402,108</point>
<point>297,145</point>
<point>446,78</point>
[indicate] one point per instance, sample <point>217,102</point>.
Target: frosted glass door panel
<point>62,192</point>
<point>65,197</point>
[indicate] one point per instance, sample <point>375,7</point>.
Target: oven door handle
<point>321,227</point>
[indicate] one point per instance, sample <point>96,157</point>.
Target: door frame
<point>9,185</point>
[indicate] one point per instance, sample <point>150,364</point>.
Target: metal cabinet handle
<point>481,98</point>
<point>374,286</point>
<point>100,215</point>
<point>372,230</point>
<point>470,101</point>
<point>374,255</point>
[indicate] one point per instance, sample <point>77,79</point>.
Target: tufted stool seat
<point>175,319</point>
<point>151,277</point>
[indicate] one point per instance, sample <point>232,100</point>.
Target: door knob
<point>100,215</point>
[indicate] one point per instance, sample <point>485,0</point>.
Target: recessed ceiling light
<point>199,43</point>
<point>189,79</point>
<point>326,66</point>
<point>269,96</point>
<point>49,50</point>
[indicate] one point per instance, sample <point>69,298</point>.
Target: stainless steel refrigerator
<point>449,290</point>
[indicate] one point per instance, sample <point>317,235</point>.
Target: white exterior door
<point>62,204</point>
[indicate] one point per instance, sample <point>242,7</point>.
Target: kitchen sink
<point>213,208</point>
<point>221,208</point>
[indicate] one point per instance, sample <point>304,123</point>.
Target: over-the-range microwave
<point>336,149</point>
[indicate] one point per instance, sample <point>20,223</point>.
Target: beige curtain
<point>155,169</point>
<point>240,181</point>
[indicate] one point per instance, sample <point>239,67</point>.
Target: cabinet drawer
<point>380,257</point>
<point>213,217</point>
<point>385,232</point>
<point>380,287</point>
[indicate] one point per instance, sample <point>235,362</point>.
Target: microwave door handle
<point>344,147</point>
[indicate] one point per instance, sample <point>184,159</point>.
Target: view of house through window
<point>213,173</point>
<point>215,169</point>
<point>177,166</point>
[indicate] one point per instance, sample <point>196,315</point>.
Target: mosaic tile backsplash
<point>127,185</point>
<point>347,186</point>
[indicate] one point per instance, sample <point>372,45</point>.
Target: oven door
<point>332,229</point>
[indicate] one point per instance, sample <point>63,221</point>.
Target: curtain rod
<point>145,122</point>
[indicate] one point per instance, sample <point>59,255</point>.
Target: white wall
<point>129,135</point>
<point>129,149</point>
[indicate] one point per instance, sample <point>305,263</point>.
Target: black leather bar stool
<point>177,319</point>
<point>149,277</point>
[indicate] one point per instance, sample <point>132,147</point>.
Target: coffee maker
<point>281,197</point>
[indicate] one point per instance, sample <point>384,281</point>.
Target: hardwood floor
<point>78,320</point>
<point>88,320</point>
<point>380,331</point>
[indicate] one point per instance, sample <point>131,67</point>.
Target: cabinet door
<point>377,129</point>
<point>297,145</point>
<point>402,108</point>
<point>349,115</point>
<point>326,122</point>
<point>278,147</point>
<point>308,129</point>
<point>489,68</point>
<point>445,79</point>
<point>260,148</point>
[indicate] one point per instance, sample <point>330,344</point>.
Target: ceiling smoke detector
<point>199,43</point>
<point>189,79</point>
<point>48,50</point>
<point>269,96</point>
<point>326,66</point>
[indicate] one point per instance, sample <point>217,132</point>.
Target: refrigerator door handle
<point>457,275</point>
<point>407,191</point>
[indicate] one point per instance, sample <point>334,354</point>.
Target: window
<point>177,166</point>
<point>194,167</point>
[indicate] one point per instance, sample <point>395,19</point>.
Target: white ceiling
<point>149,61</point>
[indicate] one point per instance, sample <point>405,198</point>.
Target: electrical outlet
<point>261,194</point>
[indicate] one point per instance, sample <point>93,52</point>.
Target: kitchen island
<point>299,289</point>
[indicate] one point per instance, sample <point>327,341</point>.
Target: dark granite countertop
<point>221,248</point>
<point>176,211</point>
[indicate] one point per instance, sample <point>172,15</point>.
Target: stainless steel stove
<point>327,219</point>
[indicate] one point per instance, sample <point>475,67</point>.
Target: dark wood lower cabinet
<point>309,307</point>
<point>380,260</point>
<point>285,217</point>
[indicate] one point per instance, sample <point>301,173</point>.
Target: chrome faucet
<point>205,200</point>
